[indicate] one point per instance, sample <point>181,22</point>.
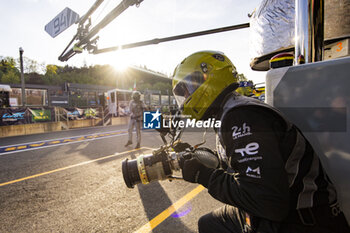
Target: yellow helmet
<point>201,81</point>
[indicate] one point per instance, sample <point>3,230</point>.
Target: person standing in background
<point>136,108</point>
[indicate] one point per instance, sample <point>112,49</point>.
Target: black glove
<point>181,146</point>
<point>195,172</point>
<point>185,155</point>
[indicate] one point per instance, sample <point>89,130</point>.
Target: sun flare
<point>120,63</point>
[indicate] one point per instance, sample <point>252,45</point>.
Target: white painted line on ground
<point>68,167</point>
<point>64,138</point>
<point>61,144</point>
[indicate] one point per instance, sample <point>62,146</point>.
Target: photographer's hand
<point>181,146</point>
<point>195,172</point>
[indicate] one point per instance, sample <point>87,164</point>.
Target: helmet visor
<point>186,87</point>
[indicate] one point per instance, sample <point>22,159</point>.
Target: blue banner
<point>11,116</point>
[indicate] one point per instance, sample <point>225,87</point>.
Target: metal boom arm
<point>178,37</point>
<point>86,41</point>
<point>81,22</point>
<point>104,22</point>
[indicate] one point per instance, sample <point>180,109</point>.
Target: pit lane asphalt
<point>91,197</point>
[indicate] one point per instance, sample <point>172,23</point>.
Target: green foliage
<point>51,69</point>
<point>161,86</point>
<point>51,77</point>
<point>30,65</point>
<point>8,70</point>
<point>104,75</point>
<point>11,77</point>
<point>7,64</point>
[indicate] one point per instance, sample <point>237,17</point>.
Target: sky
<point>23,23</point>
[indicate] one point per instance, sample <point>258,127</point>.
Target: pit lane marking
<point>148,227</point>
<point>68,167</point>
<point>58,142</point>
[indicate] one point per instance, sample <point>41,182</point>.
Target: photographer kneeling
<point>274,182</point>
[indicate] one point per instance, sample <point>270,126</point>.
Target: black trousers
<point>229,219</point>
<point>224,220</point>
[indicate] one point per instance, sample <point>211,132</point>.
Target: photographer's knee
<point>204,223</point>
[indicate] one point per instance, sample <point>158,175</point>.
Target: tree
<point>29,65</point>
<point>51,76</point>
<point>51,69</point>
<point>11,77</point>
<point>8,64</point>
<point>34,78</point>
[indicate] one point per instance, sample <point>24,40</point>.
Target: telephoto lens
<point>146,168</point>
<point>160,165</point>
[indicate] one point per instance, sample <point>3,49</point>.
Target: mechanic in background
<point>136,108</point>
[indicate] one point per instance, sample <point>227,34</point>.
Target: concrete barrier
<point>120,120</point>
<point>15,130</point>
<point>82,123</point>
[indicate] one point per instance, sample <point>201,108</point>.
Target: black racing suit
<point>274,182</point>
